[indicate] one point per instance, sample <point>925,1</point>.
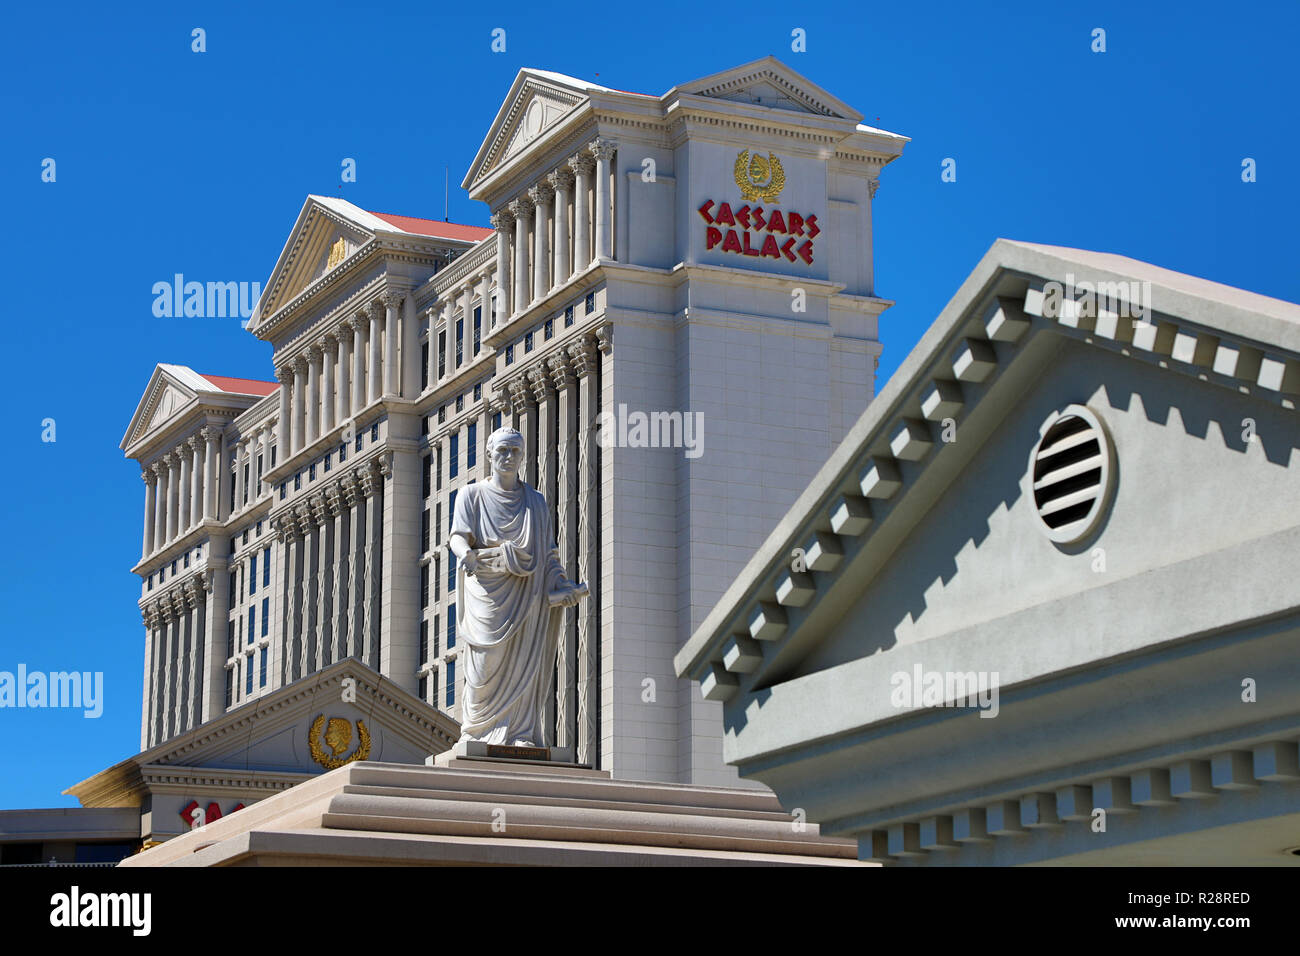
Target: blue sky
<point>171,161</point>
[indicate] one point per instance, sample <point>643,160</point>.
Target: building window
<point>273,456</point>
<point>453,457</point>
<point>283,489</point>
<point>460,341</point>
<point>451,573</point>
<point>496,420</point>
<point>258,533</point>
<point>460,402</point>
<point>230,688</point>
<point>478,391</point>
<point>492,316</point>
<point>259,471</point>
<point>424,689</point>
<point>187,559</point>
<point>590,303</point>
<point>451,510</point>
<point>424,642</point>
<point>424,425</point>
<point>343,452</point>
<point>252,624</point>
<point>426,479</point>
<point>437,586</point>
<point>151,582</point>
<point>437,643</point>
<point>478,328</point>
<point>360,438</point>
<point>548,330</point>
<point>374,432</point>
<point>266,616</point>
<point>328,456</point>
<point>437,523</point>
<point>246,483</point>
<point>471,445</point>
<point>266,566</point>
<point>311,472</point>
<point>434,675</point>
<point>248,676</point>
<point>261,679</point>
<point>424,367</point>
<point>528,341</point>
<point>510,353</point>
<point>451,683</point>
<point>568,317</point>
<point>442,354</point>
<point>424,531</point>
<point>234,584</point>
<point>424,584</point>
<point>297,481</point>
<point>173,568</point>
<point>442,414</point>
<point>252,574</point>
<point>230,639</point>
<point>232,492</point>
<point>437,467</point>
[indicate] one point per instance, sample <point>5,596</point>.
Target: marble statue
<point>512,592</point>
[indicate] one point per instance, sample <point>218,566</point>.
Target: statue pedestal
<point>479,750</point>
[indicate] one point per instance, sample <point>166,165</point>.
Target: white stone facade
<point>637,263</point>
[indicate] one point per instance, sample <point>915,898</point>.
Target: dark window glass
<point>424,531</point>
<point>451,572</point>
<point>437,466</point>
<point>374,432</point>
<point>252,574</point>
<point>437,523</point>
<point>266,616</point>
<point>248,676</point>
<point>343,452</point>
<point>283,488</point>
<point>478,391</point>
<point>230,674</point>
<point>510,353</point>
<point>424,584</point>
<point>471,445</point>
<point>426,478</point>
<point>478,328</point>
<point>424,689</point>
<point>591,302</point>
<point>442,354</point>
<point>230,639</point>
<point>442,414</point>
<point>437,640</point>
<point>261,679</point>
<point>453,457</point>
<point>328,456</point>
<point>548,330</point>
<point>273,447</point>
<point>496,420</point>
<point>424,642</point>
<point>460,341</point>
<point>451,683</point>
<point>266,566</point>
<point>528,341</point>
<point>437,579</point>
<point>252,624</point>
<point>297,481</point>
<point>568,317</point>
<point>451,510</point>
<point>311,472</point>
<point>460,402</point>
<point>424,368</point>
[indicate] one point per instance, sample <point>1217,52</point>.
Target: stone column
<point>373,381</point>
<point>485,296</point>
<point>359,325</point>
<point>285,377</point>
<point>299,390</point>
<point>183,518</point>
<point>211,474</point>
<point>542,195</point>
<point>504,224</point>
<point>159,469</point>
<point>562,182</point>
<point>525,416</point>
<point>449,340</point>
<point>343,396</point>
<point>173,476</point>
<point>603,150</point>
<point>392,303</point>
<point>345,604</point>
<point>294,563</point>
<point>369,480</point>
<point>196,480</point>
<point>217,620</point>
<point>328,396</point>
<point>239,475</point>
<point>467,323</point>
<point>409,349</point>
<point>320,512</point>
<point>150,489</point>
<point>431,347</point>
<point>566,509</point>
<point>314,359</point>
<point>582,167</point>
<point>335,509</point>
<point>586,363</point>
<point>522,210</point>
<point>150,615</point>
<point>196,605</point>
<point>307,618</point>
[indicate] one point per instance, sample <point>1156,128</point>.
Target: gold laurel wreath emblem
<point>759,178</point>
<point>328,761</point>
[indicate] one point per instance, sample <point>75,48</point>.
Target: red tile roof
<point>242,386</point>
<point>434,227</point>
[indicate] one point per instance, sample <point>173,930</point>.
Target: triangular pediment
<point>327,232</point>
<point>536,102</point>
<point>770,83</point>
<point>171,389</point>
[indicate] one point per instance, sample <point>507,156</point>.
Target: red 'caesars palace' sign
<point>757,233</point>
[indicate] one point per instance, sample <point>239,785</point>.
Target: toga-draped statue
<point>512,594</point>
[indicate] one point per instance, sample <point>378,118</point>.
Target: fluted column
<point>159,469</point>
<point>448,340</point>
<point>392,304</point>
<point>173,498</point>
<point>314,356</point>
<point>294,563</point>
<point>359,325</point>
<point>150,490</point>
<point>603,150</point>
<point>299,399</point>
<point>373,380</point>
<point>196,481</point>
<point>582,167</point>
<point>370,482</point>
<point>542,195</point>
<point>522,210</point>
<point>504,224</point>
<point>431,347</point>
<point>329,355</point>
<point>345,603</point>
<point>467,323</point>
<point>307,620</point>
<point>485,296</point>
<point>566,504</point>
<point>268,432</point>
<point>284,376</point>
<point>211,474</point>
<point>562,182</point>
<point>183,520</point>
<point>343,394</point>
<point>320,511</point>
<point>239,475</point>
<point>586,363</point>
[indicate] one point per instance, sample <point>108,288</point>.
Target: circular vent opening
<point>1071,474</point>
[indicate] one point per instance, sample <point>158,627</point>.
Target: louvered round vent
<point>1071,474</point>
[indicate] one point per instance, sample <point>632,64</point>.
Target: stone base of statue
<point>480,750</point>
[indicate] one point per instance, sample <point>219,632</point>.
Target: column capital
<point>584,355</point>
<point>365,476</point>
<point>502,219</point>
<point>392,299</point>
<point>330,345</point>
<point>561,179</point>
<point>210,433</point>
<point>284,526</point>
<point>519,392</point>
<point>521,208</point>
<point>376,308</point>
<point>605,338</point>
<point>342,329</point>
<point>284,373</point>
<point>319,506</point>
<point>192,443</point>
<point>872,186</point>
<point>385,464</point>
<point>314,352</point>
<point>561,371</point>
<point>333,500</point>
<point>581,165</point>
<point>540,382</point>
<point>348,489</point>
<point>148,475</point>
<point>361,321</point>
<point>542,194</point>
<point>299,365</point>
<point>602,148</point>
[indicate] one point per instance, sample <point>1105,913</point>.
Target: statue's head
<point>338,734</point>
<point>505,449</point>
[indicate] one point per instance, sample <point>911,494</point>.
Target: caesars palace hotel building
<point>648,254</point>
